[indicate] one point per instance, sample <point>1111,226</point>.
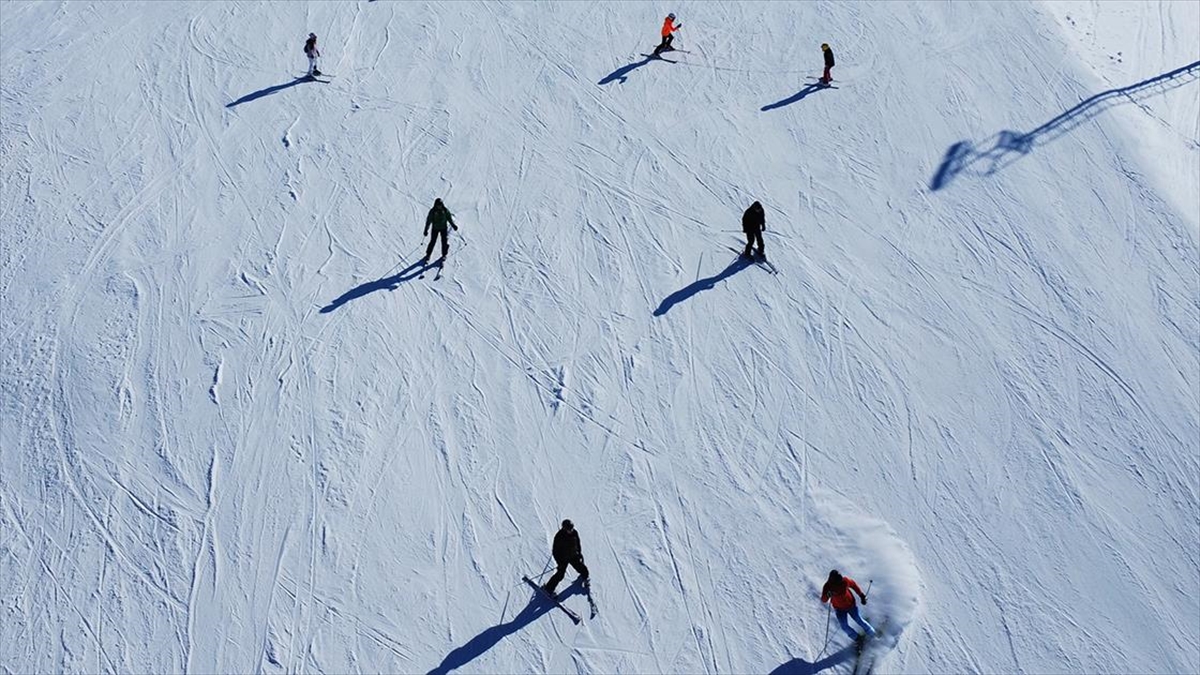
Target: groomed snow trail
<point>241,432</point>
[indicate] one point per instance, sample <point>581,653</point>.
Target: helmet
<point>568,525</point>
<point>312,36</point>
<point>824,46</point>
<point>671,16</point>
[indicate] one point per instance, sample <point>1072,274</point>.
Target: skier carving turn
<point>837,592</point>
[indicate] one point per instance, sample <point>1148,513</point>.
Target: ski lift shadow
<point>480,644</point>
<point>1007,146</point>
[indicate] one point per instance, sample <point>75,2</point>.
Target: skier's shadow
<point>480,644</point>
<point>268,91</point>
<point>808,90</point>
<point>390,283</point>
<point>622,72</point>
<point>739,264</point>
<point>802,667</point>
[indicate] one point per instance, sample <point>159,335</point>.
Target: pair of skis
<point>439,265</point>
<point>574,616</point>
<point>761,261</point>
<point>659,55</point>
<point>865,654</point>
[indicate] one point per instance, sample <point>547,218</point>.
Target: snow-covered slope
<point>241,432</point>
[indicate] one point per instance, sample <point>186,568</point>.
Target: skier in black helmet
<point>567,551</point>
<point>754,221</point>
<point>311,51</point>
<point>439,217</point>
<point>668,34</point>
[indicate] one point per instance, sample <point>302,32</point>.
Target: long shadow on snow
<point>802,667</point>
<point>478,645</point>
<point>623,71</point>
<point>698,285</point>
<point>806,91</point>
<point>389,283</point>
<point>268,91</point>
<point>1008,146</point>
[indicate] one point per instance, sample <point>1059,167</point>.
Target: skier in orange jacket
<point>668,28</point>
<point>837,592</point>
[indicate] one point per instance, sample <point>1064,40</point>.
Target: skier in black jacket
<point>439,218</point>
<point>754,221</point>
<point>567,551</point>
<point>827,78</point>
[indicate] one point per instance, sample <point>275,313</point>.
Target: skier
<point>311,51</point>
<point>668,28</point>
<point>827,78</point>
<point>567,551</point>
<point>754,221</point>
<point>837,592</point>
<point>439,216</point>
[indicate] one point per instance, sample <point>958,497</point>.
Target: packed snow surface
<point>243,431</point>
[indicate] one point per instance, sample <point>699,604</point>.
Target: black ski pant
<point>576,562</point>
<point>665,44</point>
<point>754,237</point>
<point>445,235</point>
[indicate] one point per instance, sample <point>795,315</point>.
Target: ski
<point>587,589</point>
<point>567,610</point>
<point>441,267</point>
<point>865,653</point>
<point>658,57</point>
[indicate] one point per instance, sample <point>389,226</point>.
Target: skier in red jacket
<point>668,34</point>
<point>837,592</point>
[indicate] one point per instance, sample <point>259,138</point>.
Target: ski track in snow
<point>240,432</point>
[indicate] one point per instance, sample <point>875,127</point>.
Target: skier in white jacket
<point>311,51</point>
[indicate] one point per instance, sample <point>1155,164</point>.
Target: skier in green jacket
<point>439,217</point>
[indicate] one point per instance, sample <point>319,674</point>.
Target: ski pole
<point>405,257</point>
<point>825,645</point>
<point>546,568</point>
<point>868,591</point>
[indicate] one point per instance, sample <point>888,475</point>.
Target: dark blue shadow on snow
<point>268,91</point>
<point>802,667</point>
<point>808,90</point>
<point>389,283</point>
<point>698,285</point>
<point>621,73</point>
<point>480,644</point>
<point>1008,146</point>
